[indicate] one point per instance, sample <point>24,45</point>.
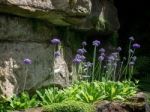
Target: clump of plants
<point>105,66</point>
<point>106,77</point>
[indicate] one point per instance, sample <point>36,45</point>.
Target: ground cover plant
<point>107,77</point>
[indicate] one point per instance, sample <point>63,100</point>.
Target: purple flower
<point>102,50</point>
<point>84,43</point>
<point>81,51</point>
<point>111,58</point>
<point>89,64</point>
<point>131,38</point>
<point>115,54</point>
<point>96,43</point>
<point>100,58</point>
<point>82,58</point>
<point>27,61</point>
<point>119,49</point>
<point>102,54</point>
<point>77,61</point>
<point>136,45</point>
<point>57,54</point>
<point>55,41</point>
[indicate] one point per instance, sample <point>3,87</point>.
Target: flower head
<point>96,43</point>
<point>77,61</point>
<point>111,58</point>
<point>136,45</point>
<point>119,49</point>
<point>27,61</point>
<point>55,41</point>
<point>57,54</point>
<point>81,51</point>
<point>81,57</point>
<point>84,43</point>
<point>102,54</point>
<point>89,64</point>
<point>100,58</point>
<point>102,50</point>
<point>131,38</point>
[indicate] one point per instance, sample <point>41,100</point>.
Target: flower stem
<point>93,69</point>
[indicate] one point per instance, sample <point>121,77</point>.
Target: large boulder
<point>80,14</point>
<point>19,40</point>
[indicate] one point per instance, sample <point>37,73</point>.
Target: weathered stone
<point>23,38</point>
<point>80,14</point>
<point>137,105</point>
<point>39,73</point>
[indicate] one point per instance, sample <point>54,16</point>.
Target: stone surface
<point>23,38</point>
<point>138,105</point>
<point>80,14</point>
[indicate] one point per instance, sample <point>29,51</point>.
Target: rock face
<point>138,103</point>
<point>19,40</point>
<point>26,26</point>
<point>80,14</point>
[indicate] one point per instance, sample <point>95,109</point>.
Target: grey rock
<point>19,40</point>
<point>80,14</point>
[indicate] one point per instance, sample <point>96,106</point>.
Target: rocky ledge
<point>80,14</point>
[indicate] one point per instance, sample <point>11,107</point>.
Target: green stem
<point>93,69</point>
<point>25,79</point>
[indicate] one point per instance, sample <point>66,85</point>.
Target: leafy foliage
<point>51,95</point>
<point>89,92</point>
<point>23,101</point>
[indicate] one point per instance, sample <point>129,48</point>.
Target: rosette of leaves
<point>23,101</point>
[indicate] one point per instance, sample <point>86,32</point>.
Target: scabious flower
<point>77,61</point>
<point>119,49</point>
<point>57,54</point>
<point>81,57</point>
<point>96,43</point>
<point>55,41</point>
<point>27,61</point>
<point>115,54</point>
<point>111,58</point>
<point>81,51</point>
<point>136,45</point>
<point>102,50</point>
<point>102,54</point>
<point>100,58</point>
<point>131,38</point>
<point>84,43</point>
<point>89,64</point>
